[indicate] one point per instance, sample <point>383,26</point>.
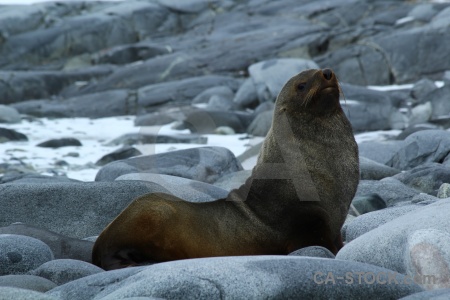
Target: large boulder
<point>288,277</point>
<point>424,146</point>
<point>416,244</point>
<point>206,164</point>
<point>74,209</point>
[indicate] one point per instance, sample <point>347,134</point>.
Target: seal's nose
<point>327,73</point>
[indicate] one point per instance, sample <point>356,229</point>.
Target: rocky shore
<point>215,67</point>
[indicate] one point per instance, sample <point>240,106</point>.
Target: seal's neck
<point>288,172</point>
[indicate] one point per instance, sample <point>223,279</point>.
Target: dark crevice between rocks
<point>319,12</point>
<point>320,47</point>
<point>131,103</point>
<point>361,67</point>
<point>442,159</point>
<point>217,285</point>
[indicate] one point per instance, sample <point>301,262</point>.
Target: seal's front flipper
<point>123,258</point>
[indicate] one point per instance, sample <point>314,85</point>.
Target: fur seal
<point>298,194</point>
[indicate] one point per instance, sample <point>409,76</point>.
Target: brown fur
<point>297,196</point>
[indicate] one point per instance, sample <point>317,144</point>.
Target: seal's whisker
<point>311,94</point>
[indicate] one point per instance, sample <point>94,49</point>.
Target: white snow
<point>394,87</point>
<point>95,134</point>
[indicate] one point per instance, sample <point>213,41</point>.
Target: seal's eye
<point>301,86</point>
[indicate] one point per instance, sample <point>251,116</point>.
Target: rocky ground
<point>216,67</point>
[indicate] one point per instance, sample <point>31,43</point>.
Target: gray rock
<point>27,282</point>
<point>153,119</point>
<point>366,109</point>
<point>14,168</point>
<point>15,21</point>
<point>224,130</point>
<point>122,153</point>
<point>360,64</point>
<point>442,122</point>
<point>270,76</point>
<point>76,210</point>
<point>9,115</point>
<point>440,101</point>
<point>61,271</point>
<point>427,177</point>
<point>58,143</point>
<point>313,251</point>
<point>251,152</point>
<point>415,244</point>
<point>8,293</point>
<point>372,170</point>
<point>188,7</point>
<point>221,50</point>
<point>446,77</point>
<point>33,178</point>
<point>422,89</point>
<point>218,102</point>
<point>222,91</point>
<point>261,124</point>
<point>414,128</point>
<point>375,61</point>
<point>287,277</point>
<point>189,190</point>
<point>233,180</point>
<point>263,107</point>
<point>441,19</point>
<point>390,190</point>
<point>421,113</point>
<point>424,199</point>
<point>390,17</point>
<point>372,220</point>
<point>7,135</point>
<point>381,152</point>
<point>155,76</point>
<point>107,26</point>
<point>440,294</point>
<point>17,86</point>
<point>96,105</point>
<point>428,255</point>
<point>246,95</point>
<point>399,120</point>
<point>156,138</point>
<point>62,247</point>
<point>423,12</point>
<point>207,121</point>
<point>444,191</point>
<point>422,147</point>
<point>20,254</point>
<point>367,203</point>
<point>205,164</point>
<point>125,54</point>
<point>413,65</point>
<point>180,91</point>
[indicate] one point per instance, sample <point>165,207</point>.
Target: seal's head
<point>312,91</point>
